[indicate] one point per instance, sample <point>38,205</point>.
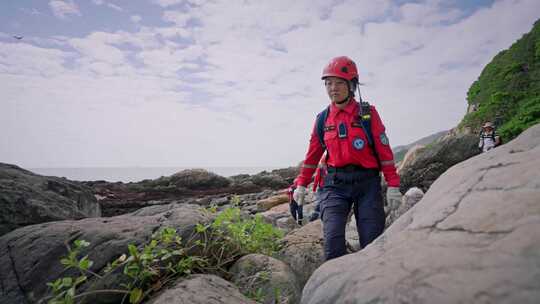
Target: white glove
<point>299,195</point>
<point>393,197</point>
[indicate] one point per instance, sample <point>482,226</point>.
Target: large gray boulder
<point>303,250</point>
<point>30,256</point>
<point>433,160</point>
<point>473,238</point>
<point>268,278</point>
<point>27,198</point>
<point>202,289</point>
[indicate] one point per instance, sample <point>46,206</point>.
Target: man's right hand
<point>299,195</point>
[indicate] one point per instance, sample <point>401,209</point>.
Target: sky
<point>197,83</point>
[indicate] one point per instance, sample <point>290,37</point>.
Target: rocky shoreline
<point>485,206</point>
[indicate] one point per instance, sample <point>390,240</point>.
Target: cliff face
<point>508,89</point>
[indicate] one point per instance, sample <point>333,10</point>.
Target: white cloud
<point>97,47</point>
<point>167,3</point>
<point>115,7</point>
<point>135,18</point>
<point>62,9</point>
<point>108,4</point>
<point>244,81</point>
<point>33,11</point>
<point>178,18</point>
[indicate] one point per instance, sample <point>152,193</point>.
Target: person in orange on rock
<point>356,155</point>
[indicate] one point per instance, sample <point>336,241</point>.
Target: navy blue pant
<point>360,191</point>
<point>297,212</point>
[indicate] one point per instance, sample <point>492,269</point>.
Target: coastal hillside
<point>507,91</point>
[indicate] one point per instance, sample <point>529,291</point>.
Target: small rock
<point>202,289</point>
<point>267,277</point>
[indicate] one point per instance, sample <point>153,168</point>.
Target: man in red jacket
<point>353,173</point>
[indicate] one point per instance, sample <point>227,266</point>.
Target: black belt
<point>349,169</point>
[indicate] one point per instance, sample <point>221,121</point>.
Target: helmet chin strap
<point>349,93</point>
<point>358,88</point>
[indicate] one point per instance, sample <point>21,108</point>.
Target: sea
<point>136,174</point>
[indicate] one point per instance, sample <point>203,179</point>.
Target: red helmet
<point>342,67</point>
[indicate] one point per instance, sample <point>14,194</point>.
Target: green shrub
<point>250,235</point>
<point>527,115</point>
<point>166,257</point>
<point>506,91</point>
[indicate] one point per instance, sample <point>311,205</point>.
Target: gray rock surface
<point>271,279</point>
<point>303,250</point>
<point>435,159</point>
<point>410,156</point>
<point>27,198</point>
<point>30,256</point>
<point>202,289</point>
<point>473,238</point>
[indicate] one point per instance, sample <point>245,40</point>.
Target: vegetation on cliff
<point>508,89</point>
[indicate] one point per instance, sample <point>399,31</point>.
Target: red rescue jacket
<point>353,149</point>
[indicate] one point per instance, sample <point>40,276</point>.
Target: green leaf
<point>85,263</point>
<point>132,270</point>
<point>80,279</point>
<point>66,282</point>
<point>68,297</point>
<point>178,252</point>
<point>133,250</point>
<point>56,285</point>
<point>146,256</point>
<point>135,296</point>
<point>81,243</point>
<point>200,228</point>
<point>66,262</point>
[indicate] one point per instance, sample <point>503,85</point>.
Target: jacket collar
<point>351,108</point>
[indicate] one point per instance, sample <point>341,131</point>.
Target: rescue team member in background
<point>353,176</point>
<point>489,138</point>
<point>297,211</point>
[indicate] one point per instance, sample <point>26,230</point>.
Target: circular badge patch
<point>384,139</point>
<point>358,143</point>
